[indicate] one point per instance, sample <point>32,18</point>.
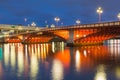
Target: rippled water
<point>56,62</point>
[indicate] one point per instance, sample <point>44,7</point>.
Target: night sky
<point>42,12</point>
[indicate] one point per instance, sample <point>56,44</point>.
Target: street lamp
<point>33,24</point>
<point>118,16</point>
<point>99,11</point>
<point>25,19</point>
<point>78,22</point>
<point>52,26</point>
<point>46,24</point>
<point>57,19</point>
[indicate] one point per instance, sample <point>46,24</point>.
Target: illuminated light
<point>119,49</point>
<point>64,57</point>
<point>42,51</point>
<point>85,53</point>
<point>111,41</point>
<point>53,47</point>
<point>32,49</point>
<point>13,56</point>
<point>112,47</point>
<point>118,16</point>
<point>37,29</point>
<point>34,66</point>
<point>57,70</point>
<point>57,19</point>
<point>33,24</point>
<point>77,61</point>
<point>77,35</point>
<point>115,41</point>
<point>52,26</point>
<point>20,60</point>
<point>118,41</point>
<point>38,48</point>
<point>20,28</point>
<point>26,51</point>
<point>62,46</point>
<point>47,48</point>
<point>6,54</point>
<point>99,11</point>
<point>26,61</point>
<point>115,49</point>
<point>20,37</point>
<point>25,19</point>
<point>78,21</point>
<point>84,35</point>
<point>40,33</point>
<point>35,48</point>
<point>100,75</point>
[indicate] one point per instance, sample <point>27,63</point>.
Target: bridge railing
<point>105,24</point>
<point>17,27</point>
<point>97,25</point>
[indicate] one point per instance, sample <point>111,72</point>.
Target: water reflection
<point>77,61</point>
<point>55,62</point>
<point>20,60</point>
<point>85,53</point>
<point>57,46</point>
<point>100,74</point>
<point>64,57</point>
<point>25,58</point>
<point>6,54</point>
<point>34,66</point>
<point>12,56</point>
<point>57,70</point>
<point>117,72</point>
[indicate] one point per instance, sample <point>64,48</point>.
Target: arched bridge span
<point>79,34</point>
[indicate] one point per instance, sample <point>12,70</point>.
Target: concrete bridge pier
<point>70,41</point>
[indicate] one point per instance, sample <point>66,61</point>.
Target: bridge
<point>95,33</point>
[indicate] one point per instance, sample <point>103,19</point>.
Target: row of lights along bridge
<point>57,19</point>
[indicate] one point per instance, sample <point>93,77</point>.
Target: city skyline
<point>43,12</point>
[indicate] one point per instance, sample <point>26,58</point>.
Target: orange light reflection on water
<point>64,57</point>
<point>83,58</point>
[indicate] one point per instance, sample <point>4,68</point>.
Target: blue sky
<point>39,11</point>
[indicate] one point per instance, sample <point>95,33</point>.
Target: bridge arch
<point>42,37</point>
<point>57,39</point>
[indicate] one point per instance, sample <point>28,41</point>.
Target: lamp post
<point>33,24</point>
<point>25,19</point>
<point>99,11</point>
<point>57,19</point>
<point>118,16</point>
<point>77,21</point>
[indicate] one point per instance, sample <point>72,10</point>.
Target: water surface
<point>56,62</point>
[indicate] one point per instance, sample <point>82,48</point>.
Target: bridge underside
<point>98,35</point>
<point>40,37</point>
<point>81,35</point>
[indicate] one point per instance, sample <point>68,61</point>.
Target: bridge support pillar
<point>70,41</point>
